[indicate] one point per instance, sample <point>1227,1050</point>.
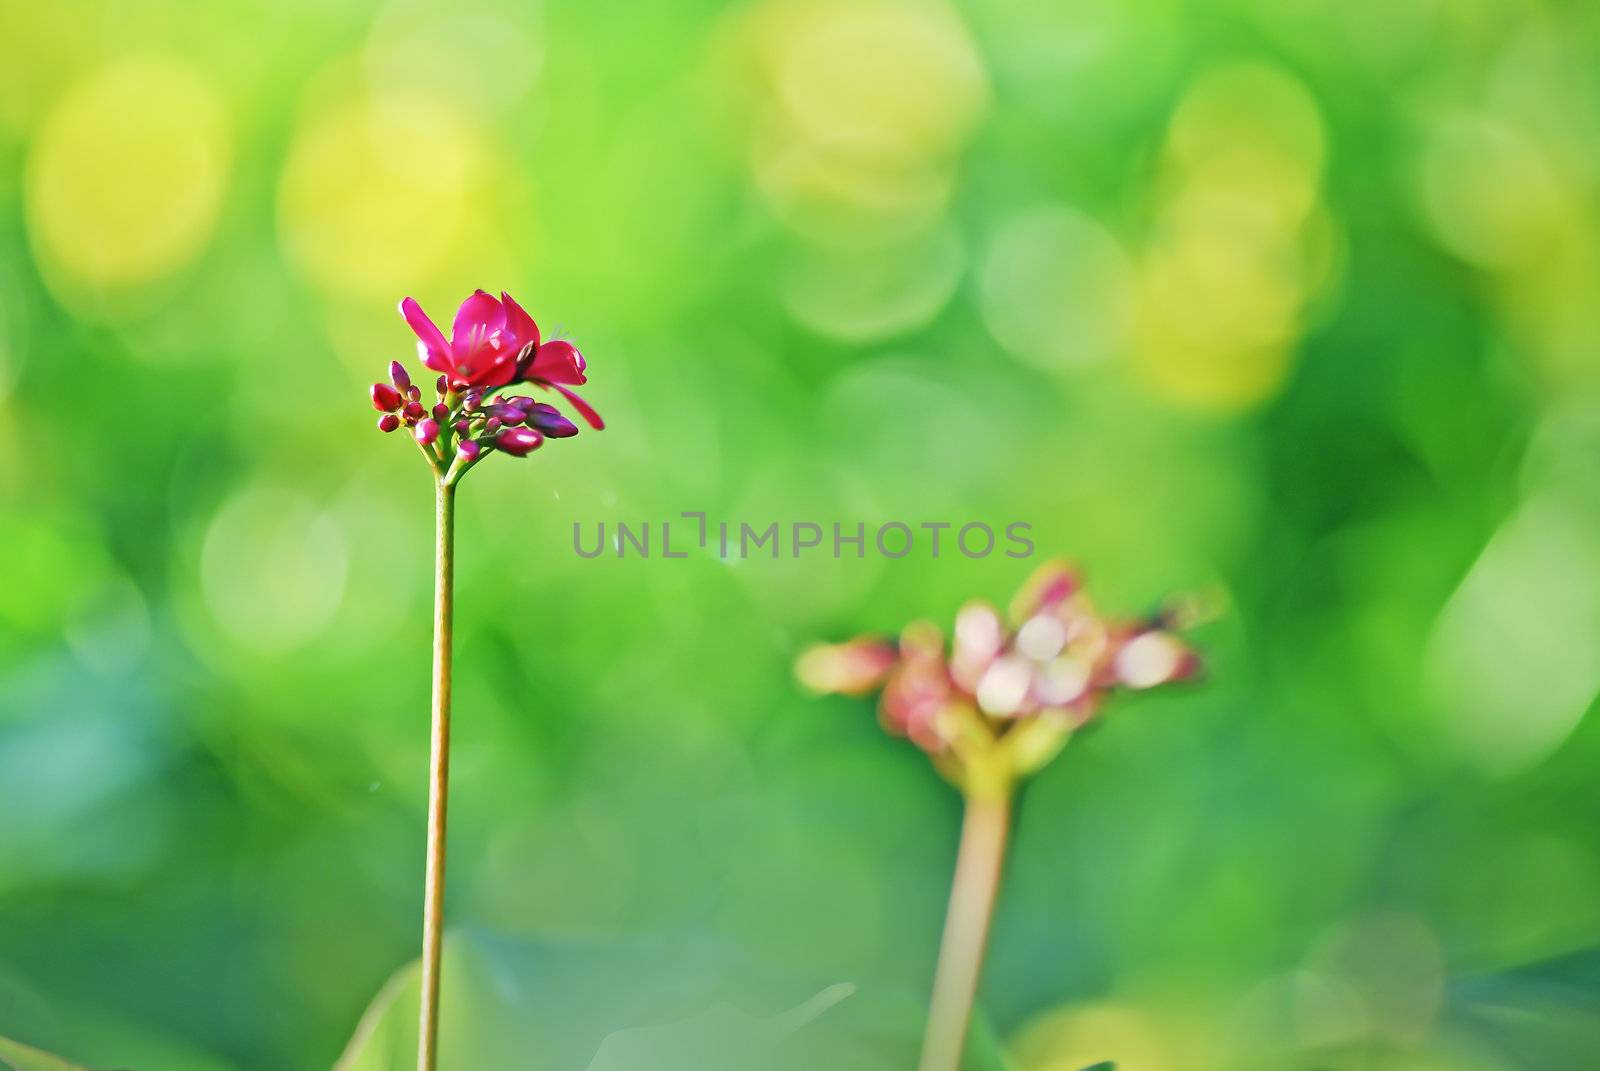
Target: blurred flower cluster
<point>1005,696</point>
<point>494,343</point>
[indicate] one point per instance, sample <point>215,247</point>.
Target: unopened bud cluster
<point>471,423</point>
<point>1004,696</point>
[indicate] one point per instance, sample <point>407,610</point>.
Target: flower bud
<point>492,425</point>
<point>505,414</point>
<point>469,449</point>
<point>385,399</point>
<point>441,412</point>
<point>471,402</point>
<point>548,419</point>
<point>426,431</point>
<point>1051,585</point>
<point>414,393</point>
<point>414,411</point>
<point>518,442</point>
<point>388,422</point>
<point>853,668</point>
<point>441,386</point>
<point>1004,690</point>
<point>463,426</point>
<point>1152,658</point>
<point>979,639</point>
<point>397,376</point>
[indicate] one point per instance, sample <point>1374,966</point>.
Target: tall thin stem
<point>438,776</point>
<point>984,830</point>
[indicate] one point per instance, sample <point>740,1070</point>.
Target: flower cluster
<point>1002,700</point>
<point>494,343</point>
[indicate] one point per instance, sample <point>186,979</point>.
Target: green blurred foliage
<point>651,1004</point>
<point>16,1057</point>
<point>1289,302</point>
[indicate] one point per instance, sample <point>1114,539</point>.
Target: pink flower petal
<point>435,351</point>
<point>478,317</point>
<point>519,324</point>
<point>557,361</point>
<point>584,409</point>
<point>500,370</point>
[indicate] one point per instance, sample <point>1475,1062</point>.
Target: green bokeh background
<point>1292,304</point>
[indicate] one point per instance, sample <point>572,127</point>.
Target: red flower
<point>494,343</point>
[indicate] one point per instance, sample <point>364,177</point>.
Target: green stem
<point>984,830</point>
<point>438,777</point>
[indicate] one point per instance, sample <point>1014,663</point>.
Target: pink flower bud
<point>1152,658</point>
<point>388,422</point>
<point>979,639</point>
<point>414,411</point>
<point>469,449</point>
<point>385,399</point>
<point>441,386</point>
<point>518,442</point>
<point>414,393</point>
<point>853,668</point>
<point>493,424</point>
<point>441,412</point>
<point>550,421</point>
<point>1051,585</point>
<point>397,376</point>
<point>462,426</point>
<point>509,410</point>
<point>426,431</point>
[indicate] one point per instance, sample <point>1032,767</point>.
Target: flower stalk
<point>494,344</point>
<point>985,831</point>
<point>991,708</point>
<point>438,772</point>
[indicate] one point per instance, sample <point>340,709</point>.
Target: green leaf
<point>661,1006</point>
<point>15,1056</point>
<point>535,1006</point>
<point>104,1038</point>
<point>723,1038</point>
<point>873,1030</point>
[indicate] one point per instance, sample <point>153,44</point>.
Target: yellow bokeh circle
<point>379,192</point>
<point>861,109</point>
<point>904,78</point>
<point>1240,245</point>
<point>1492,194</point>
<point>127,175</point>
